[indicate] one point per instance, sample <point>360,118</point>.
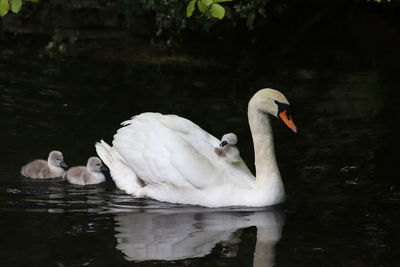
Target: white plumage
<point>169,158</point>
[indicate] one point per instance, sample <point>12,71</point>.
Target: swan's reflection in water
<point>191,233</point>
<point>149,230</point>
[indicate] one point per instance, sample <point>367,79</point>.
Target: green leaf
<point>217,11</point>
<point>4,7</point>
<point>15,5</point>
<point>202,7</point>
<point>190,8</point>
<point>220,1</point>
<point>207,2</point>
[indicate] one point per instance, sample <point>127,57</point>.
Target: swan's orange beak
<point>288,120</point>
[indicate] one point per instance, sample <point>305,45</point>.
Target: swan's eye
<point>281,107</point>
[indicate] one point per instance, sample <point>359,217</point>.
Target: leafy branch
<point>11,5</point>
<point>210,8</point>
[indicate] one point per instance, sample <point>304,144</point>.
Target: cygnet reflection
<point>176,235</point>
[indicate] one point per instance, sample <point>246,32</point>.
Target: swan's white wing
<point>168,149</point>
<point>164,149</point>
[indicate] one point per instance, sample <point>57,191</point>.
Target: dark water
<point>340,171</point>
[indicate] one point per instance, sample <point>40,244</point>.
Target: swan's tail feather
<point>123,176</point>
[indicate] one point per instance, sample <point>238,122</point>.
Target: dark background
<point>71,71</point>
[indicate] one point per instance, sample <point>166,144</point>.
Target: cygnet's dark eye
<point>98,165</point>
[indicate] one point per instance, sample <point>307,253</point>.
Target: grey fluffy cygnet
<point>227,149</point>
<point>41,169</point>
<point>89,174</point>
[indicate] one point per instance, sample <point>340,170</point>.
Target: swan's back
<point>170,150</point>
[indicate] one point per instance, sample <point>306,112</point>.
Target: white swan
<point>171,159</point>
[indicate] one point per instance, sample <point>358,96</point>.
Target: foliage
<point>210,8</point>
<point>11,5</point>
<point>173,16</point>
<point>176,15</point>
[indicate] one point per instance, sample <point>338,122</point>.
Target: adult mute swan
<point>171,159</point>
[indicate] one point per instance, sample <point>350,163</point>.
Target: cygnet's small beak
<point>223,143</point>
<point>63,165</point>
<point>103,168</point>
<point>287,119</point>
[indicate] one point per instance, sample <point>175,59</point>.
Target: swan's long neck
<point>267,172</point>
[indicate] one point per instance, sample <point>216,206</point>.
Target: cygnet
<point>89,174</point>
<point>41,169</point>
<point>227,149</point>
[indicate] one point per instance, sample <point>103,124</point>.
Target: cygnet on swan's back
<point>41,169</point>
<point>227,149</point>
<point>91,174</point>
